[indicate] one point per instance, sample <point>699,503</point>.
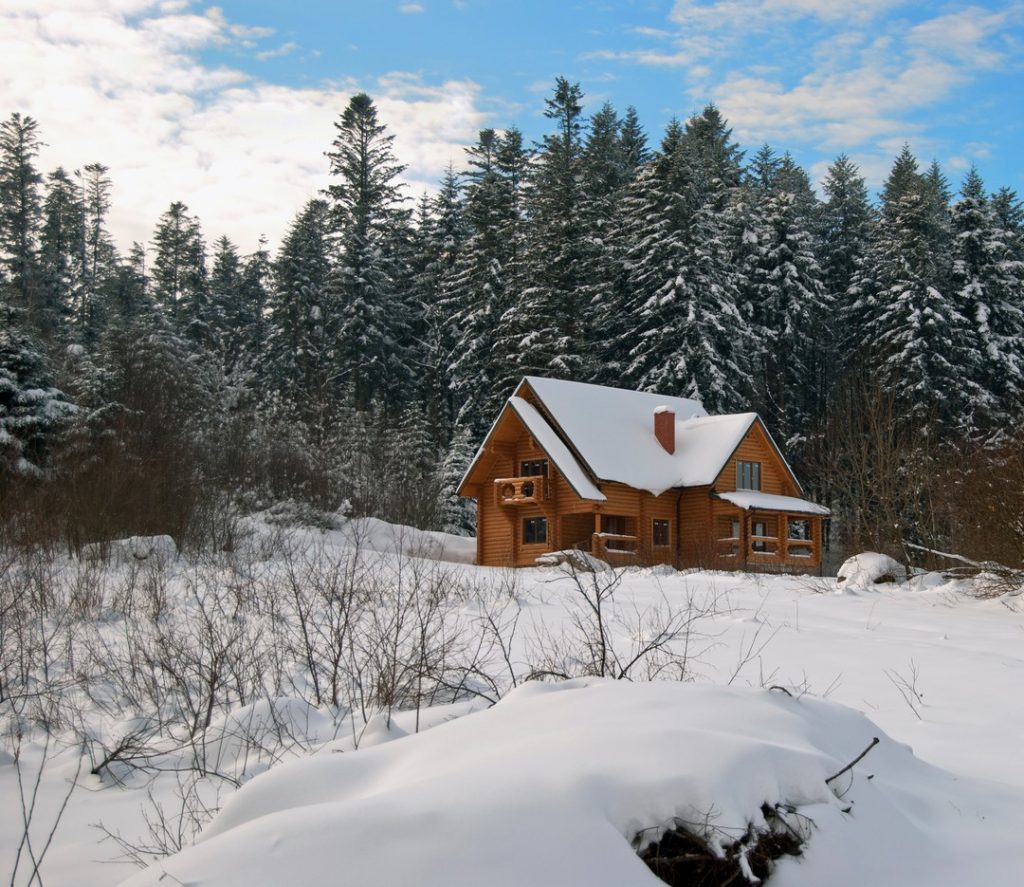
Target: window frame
<point>536,523</point>
<point>654,532</point>
<point>527,466</point>
<point>748,475</point>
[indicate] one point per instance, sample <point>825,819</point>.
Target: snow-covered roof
<point>767,502</point>
<point>612,429</point>
<point>557,451</point>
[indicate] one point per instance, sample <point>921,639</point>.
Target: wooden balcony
<point>521,490</point>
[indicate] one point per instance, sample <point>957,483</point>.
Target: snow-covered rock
<point>552,785</point>
<point>869,568</point>
<point>134,548</point>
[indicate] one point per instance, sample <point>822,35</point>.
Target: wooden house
<point>635,477</point>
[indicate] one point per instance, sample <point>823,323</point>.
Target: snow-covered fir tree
<point>369,222</point>
<point>988,284</point>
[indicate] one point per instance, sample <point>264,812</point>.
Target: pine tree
<point>99,257</point>
<point>918,342</point>
<point>32,411</point>
<point>545,329</point>
<point>20,211</point>
<point>302,364</point>
<point>679,329</point>
<point>486,279</point>
<point>179,271</point>
<point>62,247</point>
<point>439,240</point>
<point>366,204</point>
<point>988,280</point>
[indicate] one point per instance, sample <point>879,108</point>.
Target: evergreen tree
<point>680,331</point>
<point>486,279</point>
<point>439,240</point>
<point>32,411</point>
<point>302,364</point>
<point>545,329</point>
<point>99,256</point>
<point>366,202</point>
<point>918,342</point>
<point>179,271</point>
<point>20,211</point>
<point>62,247</point>
<point>988,282</point>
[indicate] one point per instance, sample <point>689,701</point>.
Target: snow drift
<point>553,784</point>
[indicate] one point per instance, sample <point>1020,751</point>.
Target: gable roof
<point>593,432</point>
<point>556,451</point>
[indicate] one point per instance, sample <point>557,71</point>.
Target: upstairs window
<point>535,530</point>
<point>534,468</point>
<point>748,475</point>
<point>660,532</point>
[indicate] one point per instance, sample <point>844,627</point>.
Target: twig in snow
<point>854,762</point>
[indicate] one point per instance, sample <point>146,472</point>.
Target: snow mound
<point>551,786</point>
<point>574,558</point>
<point>134,548</point>
<point>869,568</point>
<point>373,534</point>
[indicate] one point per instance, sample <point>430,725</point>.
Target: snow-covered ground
<point>552,784</point>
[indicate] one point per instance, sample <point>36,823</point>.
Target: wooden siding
<point>697,519</point>
<point>756,447</point>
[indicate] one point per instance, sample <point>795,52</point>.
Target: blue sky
<point>229,106</point>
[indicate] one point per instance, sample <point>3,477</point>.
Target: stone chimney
<point>665,428</point>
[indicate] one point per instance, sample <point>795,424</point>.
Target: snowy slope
<point>934,669</point>
<point>550,786</point>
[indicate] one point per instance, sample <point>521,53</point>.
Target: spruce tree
<point>62,247</point>
<point>917,340</point>
<point>179,271</point>
<point>20,211</point>
<point>370,223</point>
<point>545,330</point>
<point>486,279</point>
<point>302,364</point>
<point>678,329</point>
<point>988,282</point>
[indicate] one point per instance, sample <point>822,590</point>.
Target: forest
<point>356,366</point>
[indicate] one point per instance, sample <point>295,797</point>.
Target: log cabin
<point>636,478</point>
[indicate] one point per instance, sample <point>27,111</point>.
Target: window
<point>535,530</point>
<point>760,528</point>
<point>748,475</point>
<point>799,528</point>
<point>535,468</point>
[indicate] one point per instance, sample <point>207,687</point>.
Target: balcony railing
<point>521,490</point>
<point>615,547</point>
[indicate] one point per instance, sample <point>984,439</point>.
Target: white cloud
<point>120,82</point>
<point>749,14</point>
<point>282,50</point>
<point>411,8</point>
<point>642,57</point>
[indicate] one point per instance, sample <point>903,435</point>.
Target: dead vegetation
<point>696,855</point>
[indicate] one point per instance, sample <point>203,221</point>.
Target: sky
<point>230,107</point>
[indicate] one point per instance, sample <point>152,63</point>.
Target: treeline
<point>362,362</point>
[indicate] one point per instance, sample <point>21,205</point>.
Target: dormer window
<point>748,475</point>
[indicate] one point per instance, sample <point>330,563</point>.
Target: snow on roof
<point>613,431</point>
<point>557,451</point>
<point>768,502</point>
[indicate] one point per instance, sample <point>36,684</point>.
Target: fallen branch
<point>854,762</point>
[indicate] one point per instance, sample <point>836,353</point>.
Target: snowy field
<point>389,763</point>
